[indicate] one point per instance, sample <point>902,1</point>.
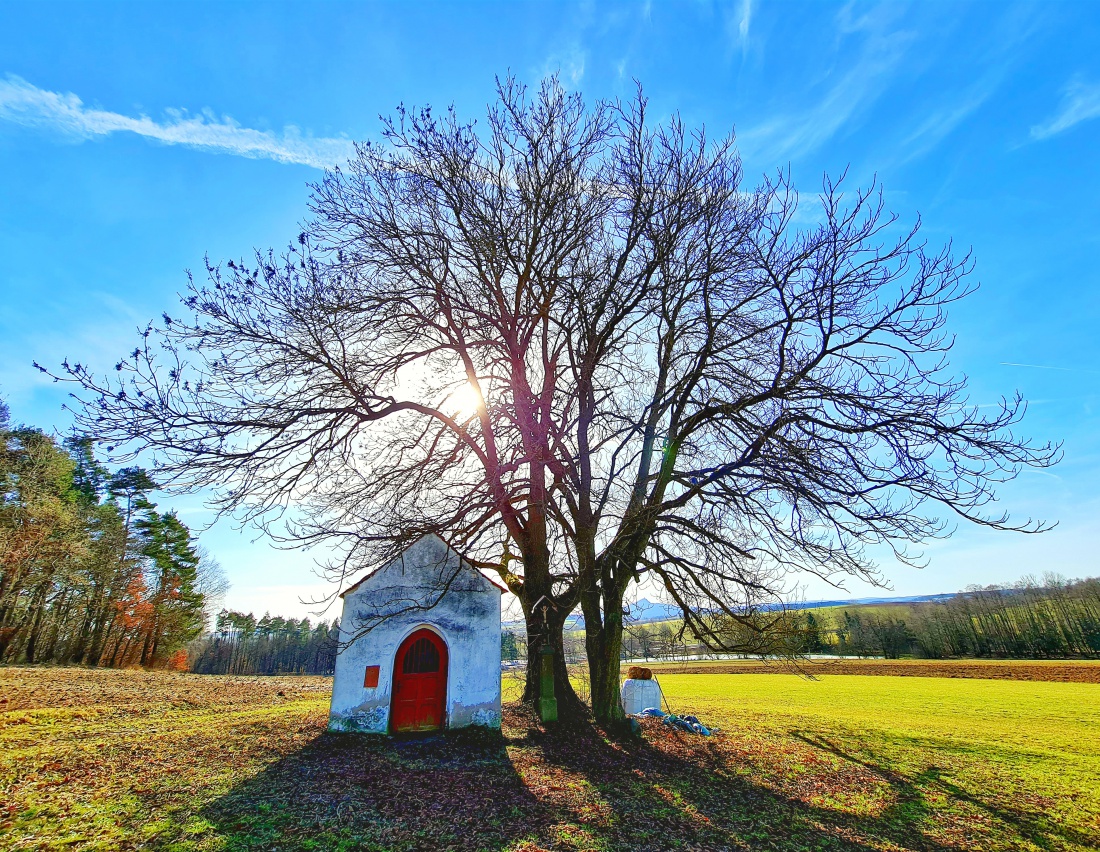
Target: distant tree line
<point>1054,618</point>
<point>1031,619</point>
<point>512,648</point>
<point>90,571</point>
<point>648,641</point>
<point>272,645</point>
<point>661,641</point>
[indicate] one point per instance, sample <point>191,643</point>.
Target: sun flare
<point>464,401</point>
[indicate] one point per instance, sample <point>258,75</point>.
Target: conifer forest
<point>92,571</point>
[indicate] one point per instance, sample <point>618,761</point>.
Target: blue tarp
<point>686,723</point>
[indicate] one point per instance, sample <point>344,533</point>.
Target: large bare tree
<point>580,348</point>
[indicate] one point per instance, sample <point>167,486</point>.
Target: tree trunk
<point>539,634</point>
<point>146,642</point>
<point>38,608</point>
<point>87,625</point>
<point>9,601</point>
<point>60,612</point>
<point>80,642</point>
<point>114,658</point>
<point>101,632</point>
<point>603,644</point>
<point>7,634</point>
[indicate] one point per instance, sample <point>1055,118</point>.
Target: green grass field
<point>130,760</point>
<point>1016,761</point>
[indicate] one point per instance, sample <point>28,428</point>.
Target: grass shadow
<point>911,805</point>
<point>673,790</point>
<point>349,791</point>
<point>532,788</point>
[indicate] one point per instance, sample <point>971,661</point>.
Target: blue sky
<point>135,138</point>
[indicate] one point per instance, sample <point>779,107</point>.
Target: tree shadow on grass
<point>672,789</point>
<point>349,791</point>
<point>1031,825</point>
<point>528,789</point>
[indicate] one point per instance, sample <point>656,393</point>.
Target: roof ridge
<point>463,561</point>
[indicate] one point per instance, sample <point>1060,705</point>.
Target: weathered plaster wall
<point>467,617</point>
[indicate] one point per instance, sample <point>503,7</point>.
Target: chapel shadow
<point>455,790</point>
<point>529,788</point>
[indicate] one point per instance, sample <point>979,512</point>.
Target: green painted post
<point>548,704</point>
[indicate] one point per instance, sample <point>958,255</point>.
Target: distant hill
<point>872,601</point>
<point>646,611</point>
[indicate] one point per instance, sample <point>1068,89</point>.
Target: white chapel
<point>419,669</point>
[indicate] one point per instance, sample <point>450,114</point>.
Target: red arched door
<point>419,683</point>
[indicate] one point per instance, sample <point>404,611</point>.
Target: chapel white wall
<point>467,618</point>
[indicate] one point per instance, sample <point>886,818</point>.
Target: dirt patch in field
<point>1062,672</point>
<point>54,687</point>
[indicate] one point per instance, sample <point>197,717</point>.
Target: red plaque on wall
<point>370,679</point>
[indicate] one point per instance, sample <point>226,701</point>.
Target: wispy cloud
<point>1049,367</point>
<point>64,113</point>
<point>568,65</point>
<point>1080,102</point>
<point>941,123</point>
<point>739,24</point>
<point>793,135</point>
<point>992,59</point>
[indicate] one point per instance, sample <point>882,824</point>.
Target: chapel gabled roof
<point>462,561</point>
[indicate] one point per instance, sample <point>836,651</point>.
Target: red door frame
<point>419,697</point>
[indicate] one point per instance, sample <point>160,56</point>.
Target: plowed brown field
<point>145,693</point>
<point>1061,671</point>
